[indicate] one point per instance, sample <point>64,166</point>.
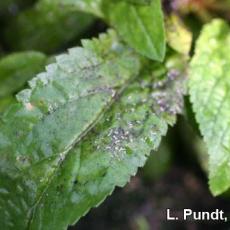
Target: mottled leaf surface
<point>209,90</point>
<point>60,107</point>
<point>16,69</point>
<point>113,151</point>
<point>46,27</point>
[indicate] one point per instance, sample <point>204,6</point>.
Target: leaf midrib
<point>144,28</point>
<point>32,210</point>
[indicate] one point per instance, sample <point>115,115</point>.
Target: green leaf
<point>16,69</point>
<point>46,27</point>
<point>139,1</point>
<point>209,90</point>
<point>141,26</point>
<point>5,102</point>
<point>113,151</point>
<point>57,111</point>
<point>88,6</point>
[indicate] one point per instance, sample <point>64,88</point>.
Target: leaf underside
<point>209,89</point>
